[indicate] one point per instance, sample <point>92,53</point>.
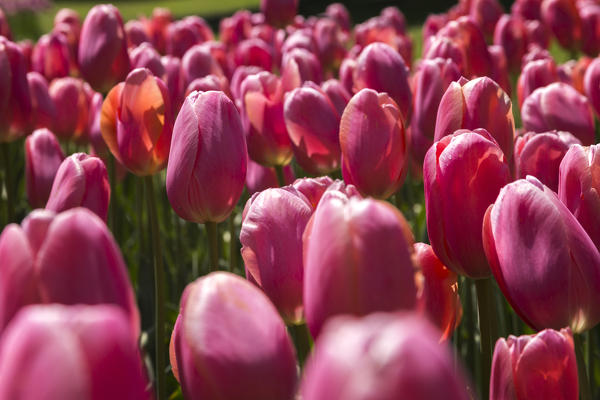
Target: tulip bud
<point>234,29</point>
<point>241,73</point>
<point>382,356</point>
<point>146,56</point>
<point>511,34</point>
<point>563,20</point>
<point>50,56</point>
<point>356,261</point>
<point>540,154</point>
<point>15,100</point>
<point>136,33</point>
<point>537,34</point>
<point>229,342</point>
<point>256,52</point>
<point>299,66</point>
<point>43,156</point>
<point>175,81</point>
<point>330,42</point>
<point>197,63</point>
<point>279,12</point>
<point>70,17</point>
<point>207,83</point>
<point>528,225</point>
<point>103,58</point>
<point>157,28</point>
<point>560,107</point>
<point>578,187</point>
<point>539,366</point>
<point>314,188</point>
<point>382,69</point>
<point>486,13</point>
<point>339,13</point>
<point>71,97</point>
<point>527,9</point>
<point>137,122</point>
<point>97,143</point>
<point>590,28</point>
<point>444,48</point>
<point>374,144</point>
<point>347,74</point>
<point>70,353</point>
<point>43,109</point>
<point>535,74</point>
<point>591,83</point>
<point>207,168</point>
<point>458,190</point>
<point>499,70</point>
<point>479,103</point>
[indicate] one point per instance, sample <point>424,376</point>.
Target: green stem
<point>590,358</point>
<point>213,245</point>
<point>280,176</point>
<point>487,329</point>
<point>302,341</point>
<point>159,291</point>
<point>584,383</point>
<point>112,176</point>
<point>8,183</point>
<point>233,248</point>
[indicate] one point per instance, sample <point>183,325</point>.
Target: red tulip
<point>537,34</point>
<point>527,9</point>
<point>562,18</point>
<point>157,28</point>
<point>540,366</point>
<point>229,342</point>
<point>279,12</point>
<point>254,51</point>
<point>458,190</point>
<point>207,167</point>
<point>236,28</point>
<point>71,97</point>
<point>535,74</point>
<point>51,56</point>
<point>43,156</point>
<point>528,225</point>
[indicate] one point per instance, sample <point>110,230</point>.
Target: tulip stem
<point>159,291</point>
<point>112,176</point>
<point>302,341</point>
<point>213,245</point>
<point>584,383</point>
<point>8,183</point>
<point>233,249</point>
<point>487,330</point>
<point>280,177</point>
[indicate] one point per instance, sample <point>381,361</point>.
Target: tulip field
<point>301,207</point>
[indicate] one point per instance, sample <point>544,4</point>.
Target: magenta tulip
<point>71,353</point>
<point>527,9</point>
<point>71,97</point>
<point>197,63</point>
<point>536,74</point>
<point>207,83</point>
<point>499,70</point>
<point>591,84</point>
<point>241,73</point>
<point>528,225</point>
<point>337,93</point>
<point>174,81</point>
<point>590,28</point>
<point>511,34</point>
<point>537,34</point>
<point>207,166</point>
<point>230,343</point>
<point>157,28</point>
<point>347,74</point>
<point>382,356</point>
<point>357,260</point>
<point>43,109</point>
<point>314,188</point>
<point>339,13</point>
<point>254,51</point>
<point>487,14</point>
<point>535,367</point>
<point>444,48</point>
<point>136,33</point>
<point>51,56</point>
<point>458,190</point>
<point>560,107</point>
<point>562,18</point>
<point>299,66</point>
<point>279,12</point>
<point>43,157</point>
<point>146,56</point>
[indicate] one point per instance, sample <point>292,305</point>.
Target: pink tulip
<point>98,145</point>
<point>499,70</point>
<point>527,9</point>
<point>487,14</point>
<point>221,55</point>
<point>540,155</point>
<point>511,34</point>
<point>590,28</point>
<point>137,122</point>
<point>458,190</point>
<point>357,260</point>
<point>537,34</point>
<point>374,144</point>
<point>382,356</point>
<point>563,20</point>
<point>43,109</point>
<point>528,225</point>
<point>573,72</point>
<point>479,103</point>
<point>381,68</point>
<point>347,74</point>
<point>197,63</point>
<point>314,188</point>
<point>68,16</point>
<point>279,12</point>
<point>299,66</point>
<point>185,33</point>
<point>559,106</point>
<point>43,157</point>
<point>241,73</point>
<point>540,366</point>
<point>259,178</point>
<point>209,82</point>
<point>51,56</point>
<point>254,51</point>
<point>207,168</point>
<point>103,58</point>
<point>330,42</point>
<point>146,56</point>
<point>535,74</point>
<point>4,26</point>
<point>444,48</point>
<point>136,33</point>
<point>71,97</point>
<point>234,29</point>
<point>174,81</point>
<point>71,353</point>
<point>230,343</point>
<point>337,93</point>
<point>579,185</point>
<point>339,13</point>
<point>591,83</point>
<point>157,28</point>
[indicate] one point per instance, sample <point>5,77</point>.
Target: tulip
<point>458,190</point>
<point>314,188</point>
<point>563,20</point>
<point>540,155</point>
<point>255,52</point>
<point>347,74</point>
<point>157,28</point>
<point>499,70</point>
<point>51,56</point>
<point>4,26</point>
<point>68,16</point>
<point>259,178</point>
<point>382,356</point>
<point>230,343</point>
<point>430,82</point>
<point>103,58</point>
<point>527,9</point>
<point>43,157</point>
<point>559,106</point>
<point>432,25</point>
<point>174,81</point>
<point>146,56</point>
<point>578,187</point>
<point>511,34</point>
<point>71,97</point>
<point>271,238</point>
<point>356,261</point>
<point>241,73</point>
<point>136,33</point>
<point>299,66</point>
<point>591,83</point>
<point>181,36</point>
<point>337,93</point>
<point>26,47</point>
<point>540,366</point>
<point>262,100</point>
<point>339,13</point>
<point>71,353</point>
<point>487,14</point>
<point>97,143</point>
<point>197,63</point>
<point>382,69</point>
<point>590,29</point>
<point>207,168</point>
<point>81,181</point>
<point>220,53</point>
<point>535,52</point>
<point>234,29</point>
<point>209,82</point>
<point>43,110</point>
<point>535,74</point>
<point>537,34</point>
<point>330,42</point>
<point>279,12</point>
<point>373,143</point>
<point>444,48</point>
<point>479,103</point>
<point>136,122</point>
<point>313,125</point>
<point>528,225</point>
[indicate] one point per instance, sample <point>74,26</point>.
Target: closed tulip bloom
<point>136,33</point>
<point>146,56</point>
<point>591,84</point>
<point>43,156</point>
<point>68,16</point>
<point>267,136</point>
<point>381,68</point>
<point>209,82</point>
<point>382,356</point>
<point>71,97</point>
<point>157,28</point>
<point>540,155</point>
<point>15,100</point>
<point>579,185</point>
<point>535,74</point>
<point>562,18</point>
<point>339,13</point>
<point>43,109</point>
<point>560,107</point>
<point>4,26</point>
<point>499,70</point>
<point>174,80</point>
<point>347,74</point>
<point>511,34</point>
<point>241,73</point>
<point>537,34</point>
<point>535,367</point>
<point>254,51</point>
<point>479,103</point>
<point>314,188</point>
<point>374,144</point>
<point>337,93</point>
<point>279,12</point>
<point>81,181</point>
<point>230,343</point>
<point>573,72</point>
<point>207,167</point>
<point>103,58</point>
<point>487,14</point>
<point>528,225</point>
<point>590,28</point>
<point>197,63</point>
<point>527,9</point>
<point>259,178</point>
<point>357,260</point>
<point>330,41</point>
<point>299,66</point>
<point>137,122</point>
<point>71,353</point>
<point>50,56</point>
<point>458,190</point>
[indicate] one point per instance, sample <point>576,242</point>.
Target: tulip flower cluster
<point>299,207</point>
